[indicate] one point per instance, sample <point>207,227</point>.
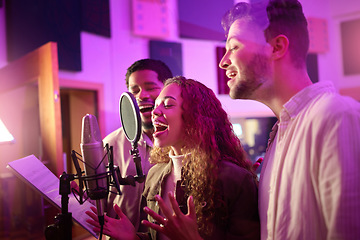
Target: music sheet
<point>32,171</point>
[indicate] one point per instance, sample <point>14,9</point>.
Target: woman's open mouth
<point>159,128</point>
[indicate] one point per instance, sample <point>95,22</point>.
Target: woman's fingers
<point>154,226</point>
<point>94,220</point>
<point>118,211</point>
<point>174,204</point>
<point>92,214</point>
<point>167,212</point>
<point>158,218</point>
<point>191,207</point>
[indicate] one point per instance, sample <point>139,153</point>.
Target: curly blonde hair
<point>209,138</point>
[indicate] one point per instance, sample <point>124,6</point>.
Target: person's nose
<point>225,61</point>
<point>143,94</point>
<point>156,111</point>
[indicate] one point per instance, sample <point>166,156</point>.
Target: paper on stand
<point>31,170</point>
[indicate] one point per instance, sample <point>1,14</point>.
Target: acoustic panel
<point>318,35</point>
<point>168,52</point>
<point>150,18</point>
<point>30,24</point>
<point>201,19</point>
<point>221,73</point>
<point>312,67</point>
<point>350,39</point>
<point>96,17</point>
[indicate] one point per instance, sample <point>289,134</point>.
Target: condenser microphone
<point>92,151</point>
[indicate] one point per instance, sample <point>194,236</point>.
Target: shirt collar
<point>302,98</point>
<point>178,162</point>
<point>146,139</point>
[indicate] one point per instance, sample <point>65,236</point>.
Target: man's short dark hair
<point>284,17</point>
<point>254,13</point>
<point>157,66</point>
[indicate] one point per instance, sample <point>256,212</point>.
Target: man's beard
<point>147,125</point>
<point>252,78</point>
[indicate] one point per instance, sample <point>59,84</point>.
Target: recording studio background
<point>62,59</point>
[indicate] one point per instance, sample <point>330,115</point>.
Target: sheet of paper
<point>32,171</point>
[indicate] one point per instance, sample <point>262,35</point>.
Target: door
<point>30,109</point>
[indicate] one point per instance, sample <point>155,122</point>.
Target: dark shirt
<point>238,189</point>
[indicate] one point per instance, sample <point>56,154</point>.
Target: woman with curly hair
<point>198,157</point>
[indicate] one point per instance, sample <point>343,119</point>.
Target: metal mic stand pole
<point>140,177</point>
<point>62,229</point>
<point>65,222</point>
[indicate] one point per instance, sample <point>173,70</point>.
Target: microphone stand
<point>140,177</point>
<point>62,228</point>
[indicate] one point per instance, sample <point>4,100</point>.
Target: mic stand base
<point>62,228</point>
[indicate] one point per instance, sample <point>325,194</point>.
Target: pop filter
<point>130,117</point>
<point>131,123</point>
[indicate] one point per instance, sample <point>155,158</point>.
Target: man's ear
<point>280,46</point>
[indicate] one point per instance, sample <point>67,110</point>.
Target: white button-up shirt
<point>310,180</point>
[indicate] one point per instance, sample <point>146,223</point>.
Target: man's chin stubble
<point>147,126</point>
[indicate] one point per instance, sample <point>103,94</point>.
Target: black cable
<point>101,221</point>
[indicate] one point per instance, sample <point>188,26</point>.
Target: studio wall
<point>105,59</point>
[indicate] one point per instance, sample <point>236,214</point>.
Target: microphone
<point>92,151</point>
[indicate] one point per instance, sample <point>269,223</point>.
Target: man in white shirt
<point>310,181</point>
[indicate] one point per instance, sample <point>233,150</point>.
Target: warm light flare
<point>5,135</point>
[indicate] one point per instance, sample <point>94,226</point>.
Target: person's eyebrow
<point>169,97</point>
<point>151,83</point>
<point>230,38</point>
<point>164,98</point>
